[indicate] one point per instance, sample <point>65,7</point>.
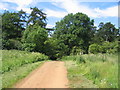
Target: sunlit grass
<point>18,64</point>
<point>101,69</point>
<point>12,59</point>
<point>76,78</point>
<point>13,76</point>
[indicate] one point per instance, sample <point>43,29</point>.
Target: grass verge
<point>13,76</point>
<point>12,59</point>
<point>76,79</point>
<point>17,64</point>
<point>100,70</point>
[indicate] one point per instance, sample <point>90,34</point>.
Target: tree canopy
<point>75,30</point>
<point>37,16</point>
<point>107,32</point>
<point>33,38</point>
<point>73,34</point>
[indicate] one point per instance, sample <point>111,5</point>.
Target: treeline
<point>74,34</point>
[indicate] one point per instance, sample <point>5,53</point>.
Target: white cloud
<point>22,4</point>
<point>74,6</point>
<point>108,12</point>
<point>82,0</point>
<point>52,13</point>
<point>3,6</point>
<point>70,6</point>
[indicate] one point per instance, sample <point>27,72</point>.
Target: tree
<point>37,16</point>
<point>23,18</point>
<point>51,47</point>
<point>33,38</point>
<point>12,26</point>
<point>75,30</point>
<point>0,31</point>
<point>55,48</point>
<point>106,32</point>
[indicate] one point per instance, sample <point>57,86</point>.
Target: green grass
<point>13,76</point>
<point>12,59</point>
<point>18,64</point>
<point>76,79</point>
<point>100,70</point>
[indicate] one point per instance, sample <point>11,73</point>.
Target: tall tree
<point>12,26</point>
<point>37,16</point>
<point>107,32</point>
<point>23,18</point>
<point>75,30</point>
<point>12,23</point>
<point>33,38</point>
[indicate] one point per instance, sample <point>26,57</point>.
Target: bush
<point>77,51</point>
<point>105,47</point>
<point>111,47</point>
<point>13,44</point>
<point>102,49</point>
<point>94,48</point>
<point>29,46</point>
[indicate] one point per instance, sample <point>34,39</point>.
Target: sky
<point>99,10</point>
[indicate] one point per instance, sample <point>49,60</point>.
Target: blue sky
<point>99,10</point>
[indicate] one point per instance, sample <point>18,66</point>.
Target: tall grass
<point>102,69</point>
<point>9,79</point>
<point>12,59</point>
<point>18,64</point>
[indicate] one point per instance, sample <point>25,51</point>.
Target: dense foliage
<point>104,47</point>
<point>75,30</point>
<point>12,27</point>
<point>33,38</point>
<point>106,32</point>
<point>73,34</point>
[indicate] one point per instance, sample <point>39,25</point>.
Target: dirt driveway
<point>52,74</point>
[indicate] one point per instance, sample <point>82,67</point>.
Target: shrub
<point>94,48</point>
<point>111,47</point>
<point>13,44</point>
<point>102,49</point>
<point>29,46</point>
<point>77,51</point>
<point>105,47</point>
